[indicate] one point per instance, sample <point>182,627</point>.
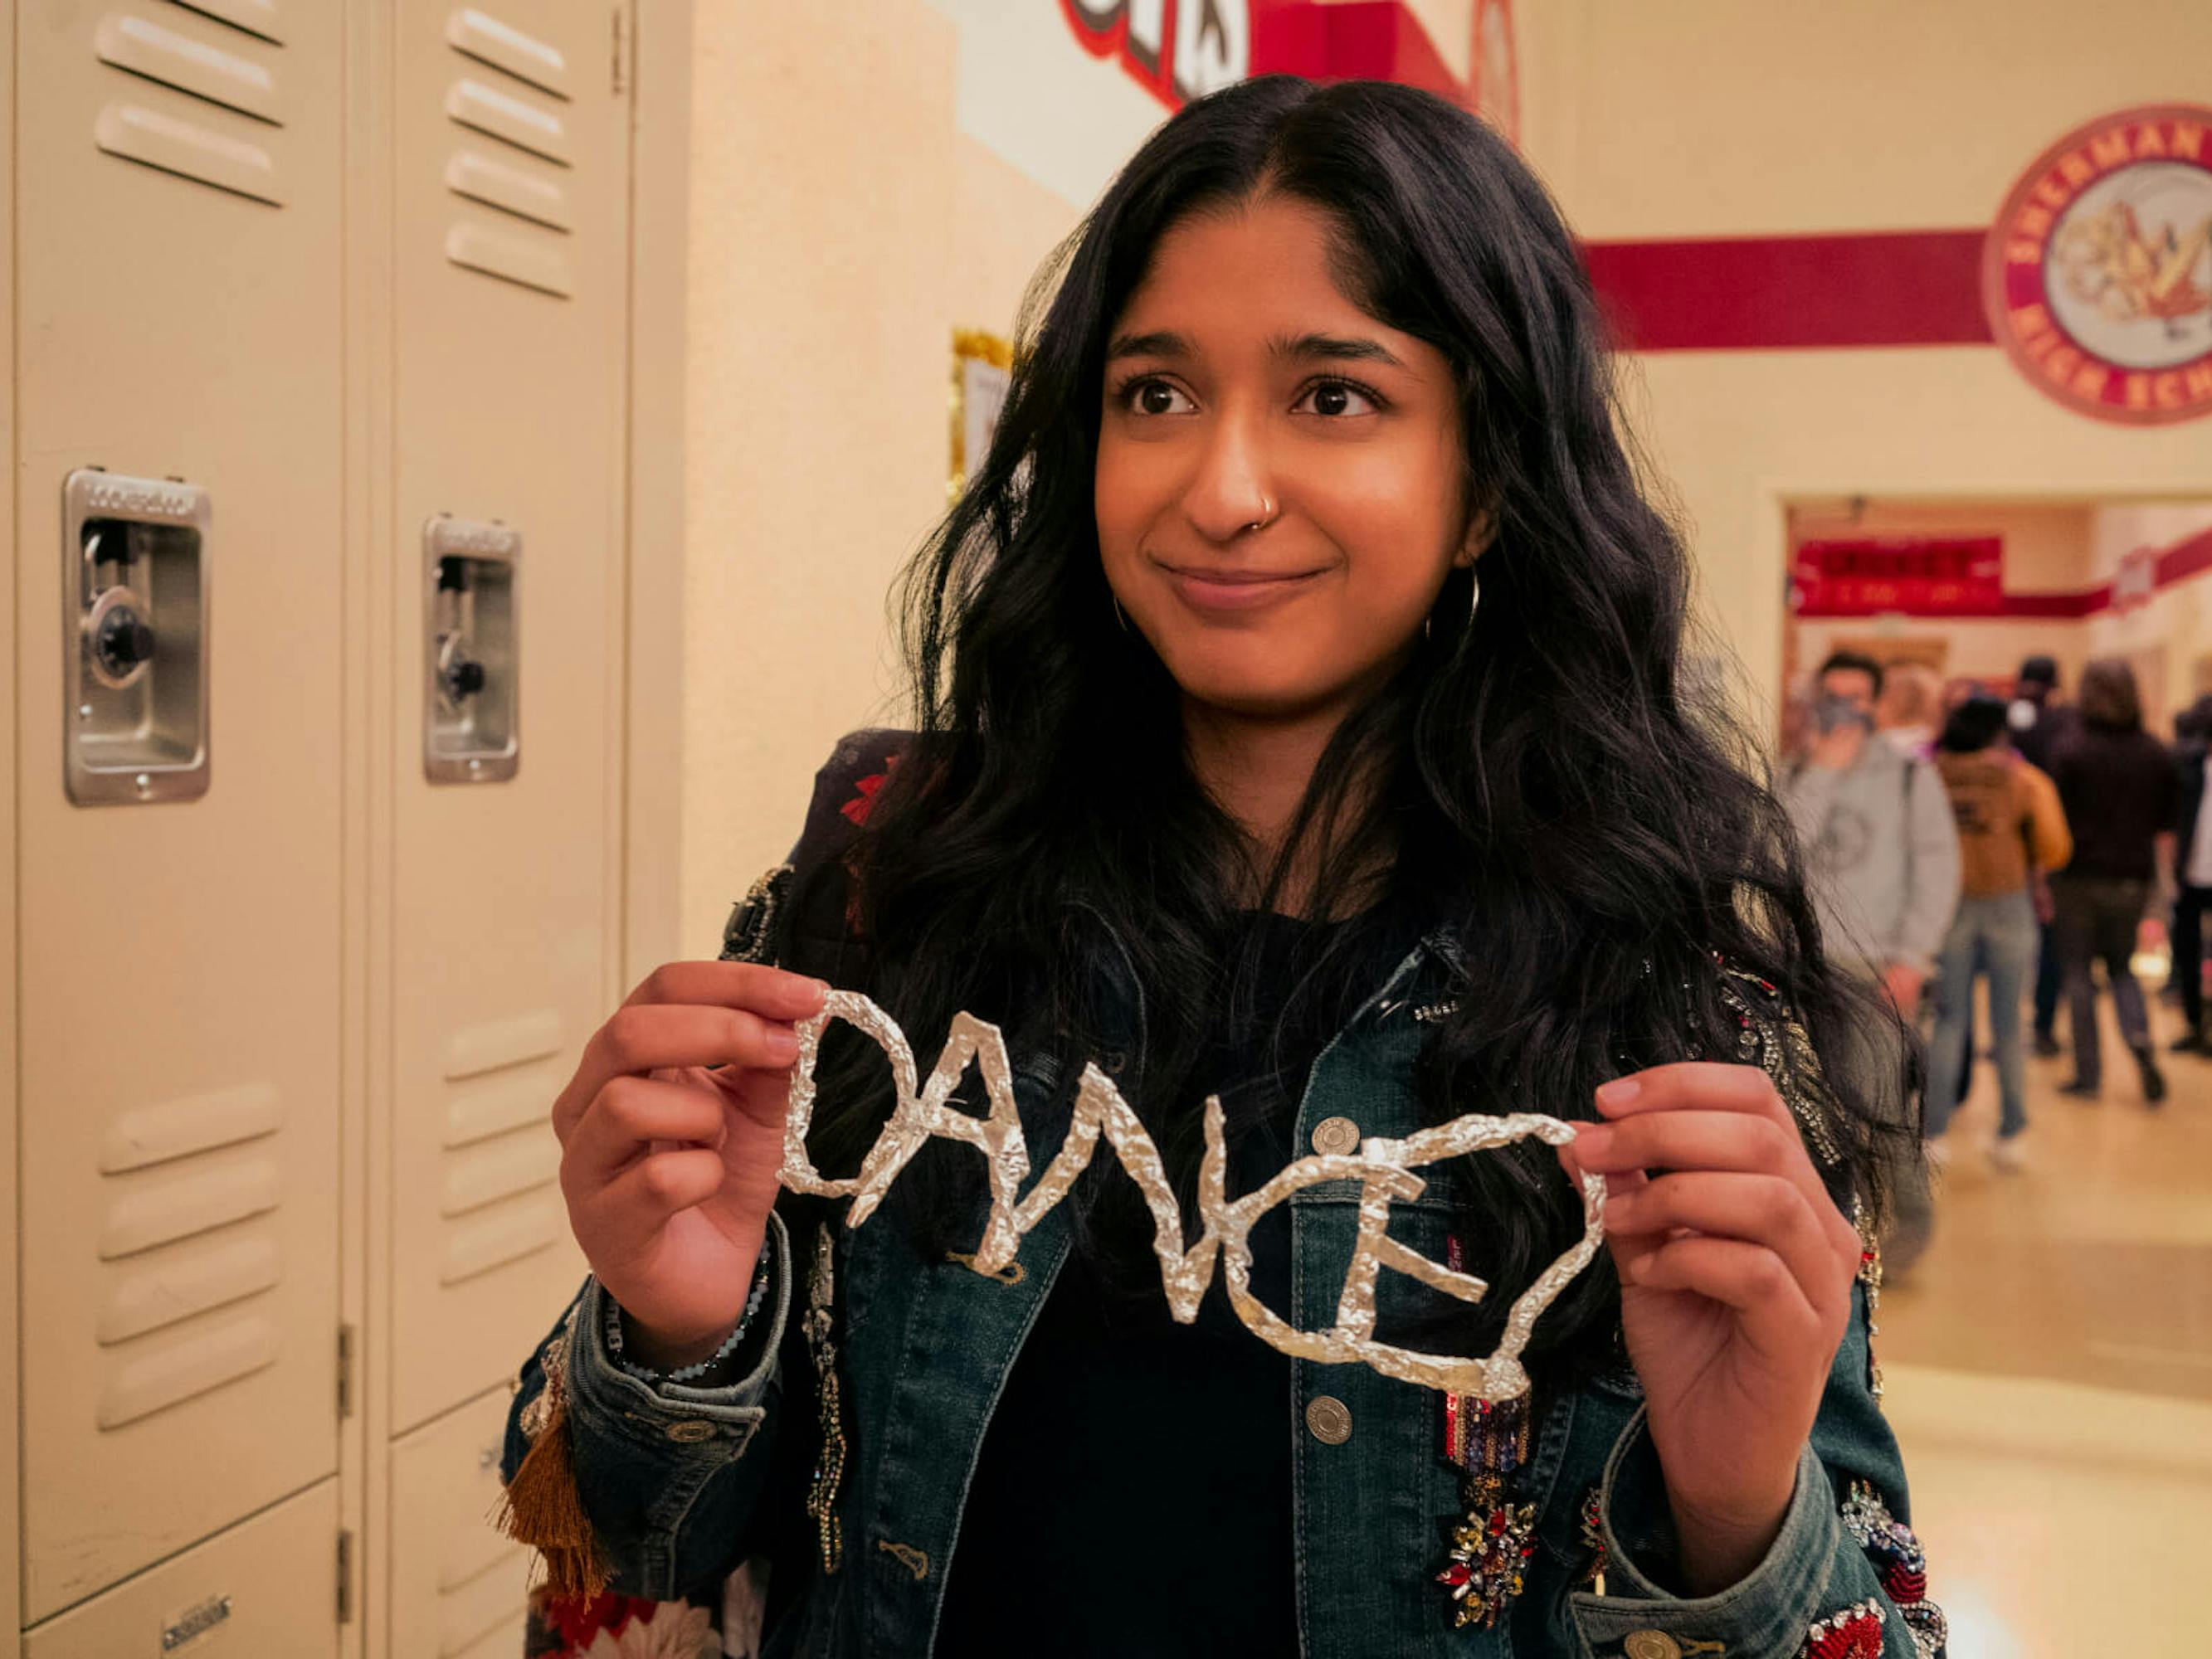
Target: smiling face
<point>1280,479</point>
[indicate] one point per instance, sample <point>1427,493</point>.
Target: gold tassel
<point>540,1506</point>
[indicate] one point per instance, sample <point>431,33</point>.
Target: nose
<point>1231,489</point>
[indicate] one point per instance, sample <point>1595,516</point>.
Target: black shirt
<point>2120,791</point>
<point>1133,1494</point>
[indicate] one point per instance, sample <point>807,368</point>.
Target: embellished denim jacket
<point>859,1506</point>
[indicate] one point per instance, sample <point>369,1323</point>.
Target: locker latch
<point>134,597</point>
<point>472,699</point>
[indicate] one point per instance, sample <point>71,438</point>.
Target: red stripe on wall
<point>1912,287</point>
<point>1351,41</point>
<point>2186,559</point>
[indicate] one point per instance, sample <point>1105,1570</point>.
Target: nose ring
<point>1266,515</point>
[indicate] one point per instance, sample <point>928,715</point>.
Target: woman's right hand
<point>670,1169</point>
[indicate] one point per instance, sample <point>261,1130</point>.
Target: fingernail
<point>783,1045</point>
<point>1612,1096</point>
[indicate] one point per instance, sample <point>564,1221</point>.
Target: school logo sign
<point>2098,274</point>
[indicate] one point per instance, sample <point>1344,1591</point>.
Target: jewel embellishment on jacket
<point>1383,1169</point>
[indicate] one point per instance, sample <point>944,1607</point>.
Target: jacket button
<point>1651,1644</point>
<point>691,1430</point>
<point>1336,1136</point>
<point>1328,1419</point>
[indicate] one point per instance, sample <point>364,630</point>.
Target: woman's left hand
<point>1735,1273</point>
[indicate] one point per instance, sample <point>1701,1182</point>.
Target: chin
<point>1250,677</point>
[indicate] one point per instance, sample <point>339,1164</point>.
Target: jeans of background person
<point>1997,933</point>
<point>2098,919</point>
<point>2049,979</point>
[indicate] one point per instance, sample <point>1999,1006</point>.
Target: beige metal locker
<point>457,1586</point>
<point>509,326</point>
<point>268,1587</point>
<point>178,241</point>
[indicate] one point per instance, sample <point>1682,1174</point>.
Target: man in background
<point>2037,717</point>
<point>1881,856</point>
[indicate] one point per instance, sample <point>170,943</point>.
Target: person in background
<point>2036,717</point>
<point>1910,710</point>
<point>1875,827</point>
<point>2193,870</point>
<point>1881,862</point>
<point>2009,824</point>
<point>2122,797</point>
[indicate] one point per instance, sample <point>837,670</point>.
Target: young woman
<point>1299,720</point>
<point>2009,827</point>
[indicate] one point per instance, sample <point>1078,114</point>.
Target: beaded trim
<point>686,1373</point>
<point>1897,1556</point>
<point>820,1327</point>
<point>1854,1633</point>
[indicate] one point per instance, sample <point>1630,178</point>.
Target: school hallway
<point>2049,1369</point>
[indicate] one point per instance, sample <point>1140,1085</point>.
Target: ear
<point>1482,530</point>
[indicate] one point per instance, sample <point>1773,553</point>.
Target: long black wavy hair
<point>1546,782</point>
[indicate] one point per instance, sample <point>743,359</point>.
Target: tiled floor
<point>2050,1373</point>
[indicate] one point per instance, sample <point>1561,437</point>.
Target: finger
<point>1774,1317</point>
<point>629,1116</point>
<point>1689,1139</point>
<point>1650,1098</point>
<point>665,1184</point>
<point>643,1037</point>
<point>1623,1248</point>
<point>767,991</point>
<point>1703,1085</point>
<point>1768,1210</point>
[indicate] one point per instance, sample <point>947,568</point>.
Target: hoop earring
<point>1121,615</point>
<point>1474,596</point>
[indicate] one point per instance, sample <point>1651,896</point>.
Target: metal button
<point>1651,1644</point>
<point>1336,1135</point>
<point>1328,1419</point>
<point>691,1430</point>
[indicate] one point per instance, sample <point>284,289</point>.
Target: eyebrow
<point>1301,348</point>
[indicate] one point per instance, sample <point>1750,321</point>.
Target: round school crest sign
<point>2098,274</point>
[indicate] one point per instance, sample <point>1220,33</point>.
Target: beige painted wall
<point>1743,117</point>
<point>2046,550</point>
<point>2169,640</point>
<point>842,226</point>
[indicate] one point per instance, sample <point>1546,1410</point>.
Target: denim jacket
<point>682,1483</point>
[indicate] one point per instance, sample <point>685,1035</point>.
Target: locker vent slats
<point>516,1163</point>
<point>177,1128</point>
<point>530,262</point>
<point>143,47</point>
<point>184,1282</point>
<point>255,16</point>
<point>506,1232</point>
<point>489,109</point>
<point>175,1369</point>
<point>476,34</point>
<point>526,239</point>
<point>163,1207</point>
<point>497,185</point>
<point>494,1108</point>
<point>207,107</point>
<point>498,1044</point>
<point>491,1601</point>
<point>189,150</point>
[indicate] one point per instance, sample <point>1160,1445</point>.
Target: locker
<point>267,1586</point>
<point>457,1586</point>
<point>510,207</point>
<point>177,318</point>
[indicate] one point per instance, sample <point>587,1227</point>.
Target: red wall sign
<point>1179,50</point>
<point>1921,577</point>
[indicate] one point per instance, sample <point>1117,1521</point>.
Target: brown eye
<point>1155,397</point>
<point>1337,399</point>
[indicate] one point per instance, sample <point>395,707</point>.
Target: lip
<point>1218,588</point>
